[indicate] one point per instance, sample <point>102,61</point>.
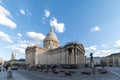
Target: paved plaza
<point>113,74</point>
<point>16,76</point>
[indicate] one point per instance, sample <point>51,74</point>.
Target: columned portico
<point>74,55</point>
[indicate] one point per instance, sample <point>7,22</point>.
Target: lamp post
<point>91,60</point>
<point>92,63</point>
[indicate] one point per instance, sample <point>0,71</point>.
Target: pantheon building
<point>51,53</point>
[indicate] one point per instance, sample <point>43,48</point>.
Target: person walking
<point>6,67</point>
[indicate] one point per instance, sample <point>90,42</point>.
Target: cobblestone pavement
<point>113,74</point>
<point>16,76</point>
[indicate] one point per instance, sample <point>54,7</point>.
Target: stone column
<point>75,56</point>
<point>60,56</point>
<point>57,58</point>
<point>72,56</point>
<point>66,55</point>
<point>79,57</point>
<point>69,57</point>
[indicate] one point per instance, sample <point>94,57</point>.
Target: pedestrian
<point>6,67</point>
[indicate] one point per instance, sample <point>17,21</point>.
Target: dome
<point>51,41</point>
<point>51,36</point>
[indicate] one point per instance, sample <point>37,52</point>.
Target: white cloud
<point>47,13</point>
<point>59,27</point>
<point>117,44</point>
<point>29,14</point>
<point>105,51</point>
<point>91,48</point>
<point>19,35</point>
<point>102,53</point>
<point>26,43</point>
<point>5,37</point>
<point>5,18</point>
<point>20,47</point>
<point>22,12</point>
<point>0,1</point>
<point>96,28</point>
<point>116,51</point>
<point>104,45</point>
<point>36,36</point>
<point>43,20</point>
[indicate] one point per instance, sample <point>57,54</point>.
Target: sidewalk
<point>3,76</point>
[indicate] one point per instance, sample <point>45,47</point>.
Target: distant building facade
<point>113,59</point>
<point>1,60</point>
<point>96,60</point>
<point>13,56</point>
<point>18,61</point>
<point>51,53</point>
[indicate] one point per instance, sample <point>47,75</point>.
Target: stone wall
<point>71,53</point>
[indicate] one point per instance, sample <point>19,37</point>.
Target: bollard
<point>9,74</point>
<point>93,70</point>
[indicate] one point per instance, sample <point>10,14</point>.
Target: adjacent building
<point>51,53</point>
<point>1,60</point>
<point>13,56</point>
<point>113,59</point>
<point>96,60</point>
<point>18,61</point>
<point>15,61</point>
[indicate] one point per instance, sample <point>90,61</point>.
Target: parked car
<point>14,68</point>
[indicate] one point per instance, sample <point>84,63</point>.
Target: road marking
<point>116,69</point>
<point>115,73</point>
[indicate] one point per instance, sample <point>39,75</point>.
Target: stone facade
<point>51,53</point>
<point>17,61</point>
<point>113,59</point>
<point>96,60</point>
<point>1,60</point>
<point>13,56</point>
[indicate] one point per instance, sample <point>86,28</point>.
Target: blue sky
<point>94,23</point>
